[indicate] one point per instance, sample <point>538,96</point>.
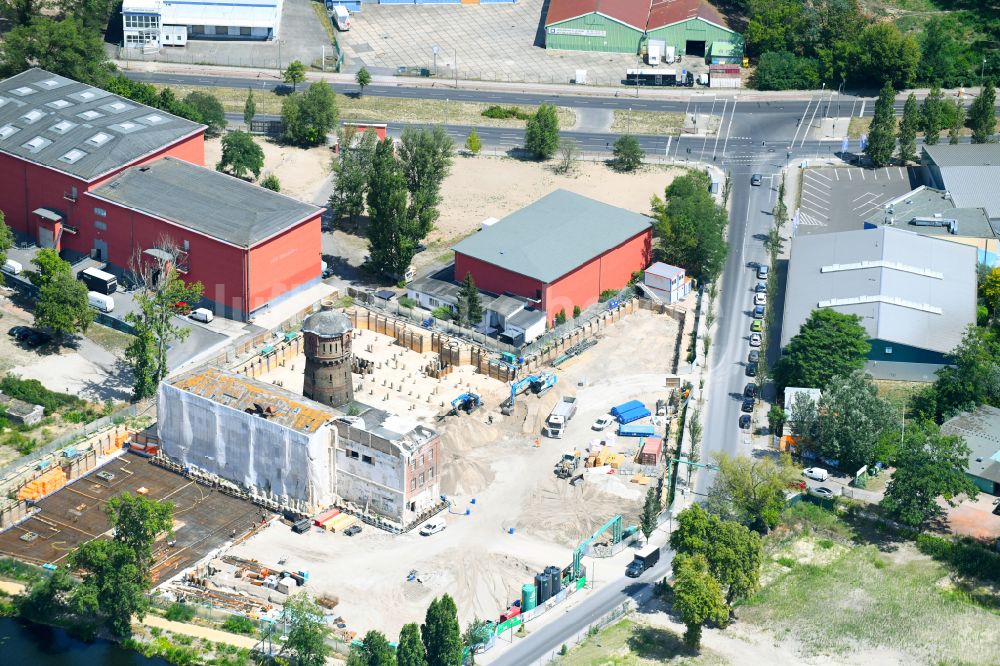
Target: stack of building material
<point>325,517</point>
<point>340,522</point>
<point>49,482</point>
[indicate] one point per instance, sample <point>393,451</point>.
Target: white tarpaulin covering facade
<point>292,466</point>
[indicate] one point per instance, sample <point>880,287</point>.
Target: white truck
<point>655,51</point>
<point>559,417</point>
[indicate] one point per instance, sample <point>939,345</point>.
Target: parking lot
<point>840,199</point>
<point>493,42</point>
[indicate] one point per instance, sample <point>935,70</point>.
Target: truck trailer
<point>642,562</point>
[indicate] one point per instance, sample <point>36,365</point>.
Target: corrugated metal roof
<point>630,12</point>
<point>964,154</point>
<point>661,269</point>
<point>914,290</point>
<point>981,431</point>
<point>667,12</point>
<point>970,171</point>
<point>925,202</point>
<point>206,201</point>
<point>78,129</point>
<point>553,236</point>
<point>245,394</point>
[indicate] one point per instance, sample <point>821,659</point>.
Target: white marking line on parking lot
<point>817,174</point>
<point>813,191</point>
<point>902,173</point>
<point>863,175</point>
<point>836,174</point>
<point>814,205</point>
<point>849,176</point>
<point>866,194</point>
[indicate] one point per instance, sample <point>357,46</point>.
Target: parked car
<point>747,405</point>
<point>19,332</point>
<point>433,526</point>
<point>602,422</point>
<point>352,530</point>
<point>755,180</point>
<point>753,356</point>
<point>760,287</point>
<point>755,339</point>
<point>758,312</point>
<point>762,271</point>
<point>756,326</point>
<point>817,473</point>
<point>36,338</point>
<point>760,299</point>
<point>822,492</point>
<point>203,315</point>
<point>750,390</point>
<point>751,369</point>
<point>745,421</point>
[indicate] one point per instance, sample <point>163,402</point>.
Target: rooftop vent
<point>99,139</point>
<point>73,156</point>
<point>8,130</point>
<point>36,144</point>
<point>62,127</point>
<point>33,116</point>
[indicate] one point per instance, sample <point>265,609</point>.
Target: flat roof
<point>907,288</point>
<point>553,236</point>
<point>927,211</point>
<point>78,129</point>
<point>206,201</point>
<point>661,269</point>
<point>970,172</point>
<point>244,13</point>
<point>981,431</point>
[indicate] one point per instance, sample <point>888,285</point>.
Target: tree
<point>210,109</point>
<point>885,56</point>
<point>989,289</point>
<point>476,634</point>
<point>161,288</point>
<point>306,631</point>
<point>908,131</point>
<point>472,142</point>
<point>307,118</point>
<point>983,114</point>
<point>441,634</point>
<point>249,109</point>
<point>49,266</point>
<point>929,466</point>
<point>426,157</point>
<point>972,375</point>
<point>882,132</point>
<point>783,70</point>
<point>93,14</point>
<point>137,521</point>
<point>20,12</point>
<point>352,170</point>
<point>650,512</point>
<point>241,155</point>
<point>931,116</point>
<point>295,74</point>
<point>567,154</point>
<point>627,154</point>
<point>828,343</point>
<point>541,133</point>
<point>751,491</point>
<point>945,60</point>
<point>776,418</point>
<point>697,597</point>
<point>271,182</point>
<point>373,651</point>
<point>956,112</point>
<point>63,47</point>
<point>803,418</point>
<point>780,211</point>
<point>391,229</point>
<point>6,241</point>
<point>690,226</point>
<point>854,425</point>
<point>363,79</point>
<point>411,650</point>
<point>63,306</point>
<point>774,243</point>
<point>470,309</point>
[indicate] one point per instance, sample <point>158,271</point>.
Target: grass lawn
<point>628,643</point>
<point>382,109</point>
<point>833,597</point>
<point>647,122</point>
<point>105,336</point>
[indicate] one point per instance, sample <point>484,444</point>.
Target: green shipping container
<point>528,597</point>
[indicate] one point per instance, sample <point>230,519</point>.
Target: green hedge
<point>968,557</point>
<point>31,390</point>
<point>505,112</point>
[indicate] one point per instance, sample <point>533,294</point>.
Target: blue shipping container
<point>633,415</point>
<point>624,407</point>
<point>636,431</point>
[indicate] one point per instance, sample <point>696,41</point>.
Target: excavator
<point>538,384</point>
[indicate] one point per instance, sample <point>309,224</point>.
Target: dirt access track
<point>506,468</point>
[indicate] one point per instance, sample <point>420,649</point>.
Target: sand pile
<point>466,442</point>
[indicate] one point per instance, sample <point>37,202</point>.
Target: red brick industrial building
<point>92,174</point>
<point>561,251</point>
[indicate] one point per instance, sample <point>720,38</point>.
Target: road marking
<point>801,121</point>
<point>819,174</point>
<point>718,132</point>
<point>849,175</point>
<point>814,205</point>
<point>902,173</point>
<point>855,199</point>
<point>806,133</point>
<point>732,114</point>
<point>836,174</point>
<point>863,175</point>
<point>861,114</point>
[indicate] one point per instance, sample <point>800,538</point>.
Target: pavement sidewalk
<point>197,631</point>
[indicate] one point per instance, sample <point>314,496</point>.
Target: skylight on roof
<point>62,127</point>
<point>36,144</point>
<point>49,84</point>
<point>59,104</point>
<point>90,115</point>
<point>73,156</point>
<point>24,91</point>
<point>117,106</point>
<point>153,119</point>
<point>86,94</point>
<point>32,116</point>
<point>4,101</point>
<point>126,127</point>
<point>7,131</point>
<point>99,139</point>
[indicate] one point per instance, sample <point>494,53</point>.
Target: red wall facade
<point>580,287</point>
<point>285,262</point>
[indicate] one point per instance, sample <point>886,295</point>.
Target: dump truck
<point>641,562</point>
<point>560,415</point>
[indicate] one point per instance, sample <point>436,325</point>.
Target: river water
<point>27,644</point>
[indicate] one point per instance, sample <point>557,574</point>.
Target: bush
<point>607,295</point>
<point>505,112</point>
<point>180,612</point>
<point>239,624</point>
<point>31,390</point>
<point>407,302</point>
<point>781,70</point>
<point>442,313</point>
<point>561,317</point>
<point>576,311</point>
<point>968,557</point>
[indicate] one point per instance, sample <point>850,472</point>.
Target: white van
<point>341,18</point>
<point>203,315</point>
<point>102,302</point>
<point>12,267</point>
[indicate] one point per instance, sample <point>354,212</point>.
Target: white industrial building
<point>151,24</point>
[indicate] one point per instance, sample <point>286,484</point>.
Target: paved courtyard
<point>841,198</point>
<point>493,42</point>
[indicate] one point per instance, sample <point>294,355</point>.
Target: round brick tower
<point>328,357</point>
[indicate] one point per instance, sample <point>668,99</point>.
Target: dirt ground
<point>301,172</point>
<point>500,472</point>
